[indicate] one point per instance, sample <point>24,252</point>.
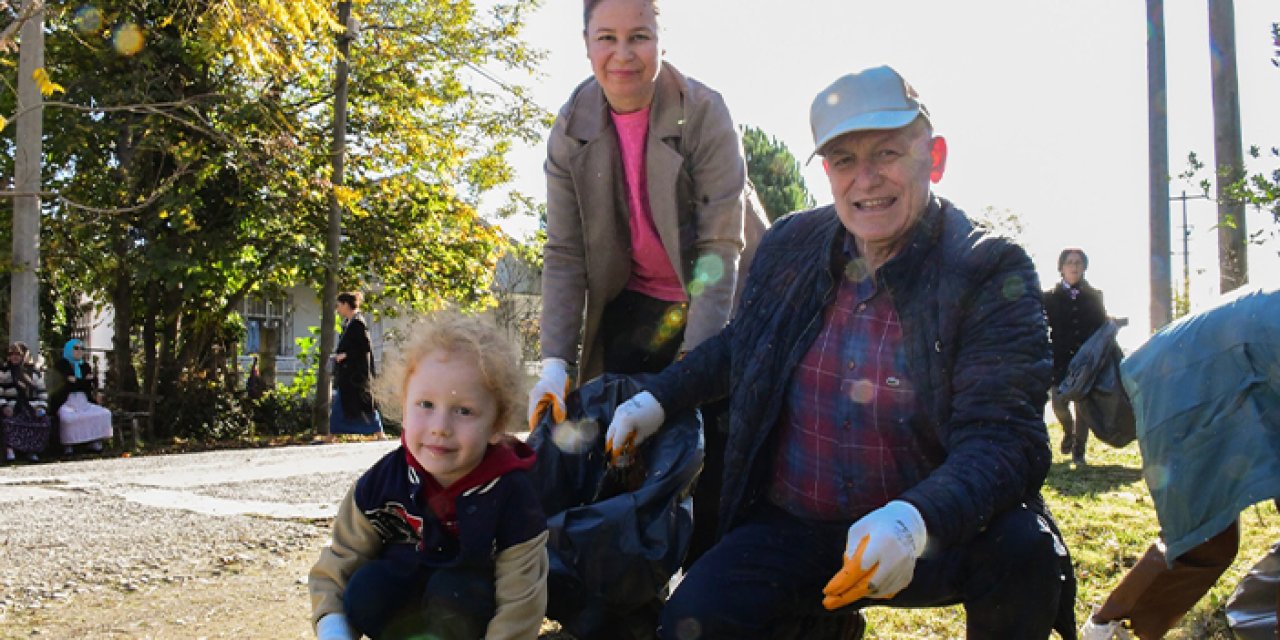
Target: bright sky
<point>1043,104</point>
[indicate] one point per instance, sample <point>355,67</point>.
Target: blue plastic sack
<point>1206,393</point>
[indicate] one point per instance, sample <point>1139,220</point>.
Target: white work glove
<point>879,555</point>
<point>549,392</point>
<point>334,626</point>
<point>633,422</point>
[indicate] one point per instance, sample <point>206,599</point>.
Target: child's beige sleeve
<point>520,576</point>
<point>355,542</point>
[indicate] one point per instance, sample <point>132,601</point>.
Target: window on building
<point>268,322</point>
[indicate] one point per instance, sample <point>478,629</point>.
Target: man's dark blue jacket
<point>977,346</point>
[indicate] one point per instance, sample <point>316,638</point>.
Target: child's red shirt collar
<point>510,454</point>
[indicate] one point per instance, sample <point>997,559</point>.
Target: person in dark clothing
<point>255,387</point>
<point>886,375</point>
<point>353,410</point>
<point>1075,311</point>
<point>24,418</point>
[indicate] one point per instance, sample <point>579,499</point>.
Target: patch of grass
<point>1108,520</point>
<point>1103,509</point>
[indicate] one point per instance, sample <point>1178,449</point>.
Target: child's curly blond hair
<point>462,335</point>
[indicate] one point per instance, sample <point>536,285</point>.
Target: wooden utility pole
<point>1228,156</point>
<point>329,297</point>
<point>24,288</point>
<point>1158,168</point>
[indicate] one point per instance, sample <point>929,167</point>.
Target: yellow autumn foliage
<point>47,87</point>
<point>262,36</point>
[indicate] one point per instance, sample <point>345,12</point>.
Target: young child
<point>443,537</point>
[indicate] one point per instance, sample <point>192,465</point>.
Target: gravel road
<point>169,546</point>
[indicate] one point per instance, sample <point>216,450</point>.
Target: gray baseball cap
<point>875,98</point>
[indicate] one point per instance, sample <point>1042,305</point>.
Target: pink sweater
<point>651,270</point>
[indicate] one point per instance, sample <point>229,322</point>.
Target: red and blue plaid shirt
<point>846,443</point>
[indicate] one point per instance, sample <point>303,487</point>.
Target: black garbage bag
<point>1093,382</point>
<point>1251,610</point>
<point>1107,410</point>
<point>617,535</point>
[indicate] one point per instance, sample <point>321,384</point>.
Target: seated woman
<point>24,418</point>
<point>80,420</point>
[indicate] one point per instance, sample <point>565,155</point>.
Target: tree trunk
<point>24,282</point>
<point>1160,305</point>
<point>150,375</point>
<point>126,376</point>
<point>329,295</point>
<point>267,354</point>
<point>1228,154</point>
<point>170,314</point>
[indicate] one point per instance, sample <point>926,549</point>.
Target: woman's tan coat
<point>696,177</point>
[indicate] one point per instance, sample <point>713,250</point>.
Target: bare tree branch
<point>6,37</point>
<point>71,204</point>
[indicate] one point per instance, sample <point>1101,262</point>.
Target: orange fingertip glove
<point>548,402</point>
<point>628,447</point>
<point>851,583</point>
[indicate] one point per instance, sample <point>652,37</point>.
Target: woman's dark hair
<point>589,6</point>
<point>1062,257</point>
<point>351,298</point>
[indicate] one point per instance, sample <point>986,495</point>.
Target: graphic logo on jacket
<point>395,525</point>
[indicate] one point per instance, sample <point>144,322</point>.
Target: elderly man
<point>886,374</point>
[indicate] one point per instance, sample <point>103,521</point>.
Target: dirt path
<point>157,548</point>
<point>257,598</point>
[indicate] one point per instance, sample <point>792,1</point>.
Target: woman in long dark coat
<point>353,410</point>
<point>1075,310</point>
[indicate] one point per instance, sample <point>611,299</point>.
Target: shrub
<point>281,413</point>
<point>203,409</point>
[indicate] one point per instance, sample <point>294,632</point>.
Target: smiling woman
<point>622,44</point>
<point>665,221</point>
<point>649,219</point>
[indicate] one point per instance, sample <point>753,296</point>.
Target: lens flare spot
<point>1237,467</point>
<point>696,288</point>
<point>1157,476</point>
<point>575,436</point>
<point>688,629</point>
<point>1014,287</point>
<point>88,19</point>
<point>673,319</point>
<point>862,391</point>
<point>857,270</point>
<point>671,324</point>
<point>708,269</point>
<point>128,39</point>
